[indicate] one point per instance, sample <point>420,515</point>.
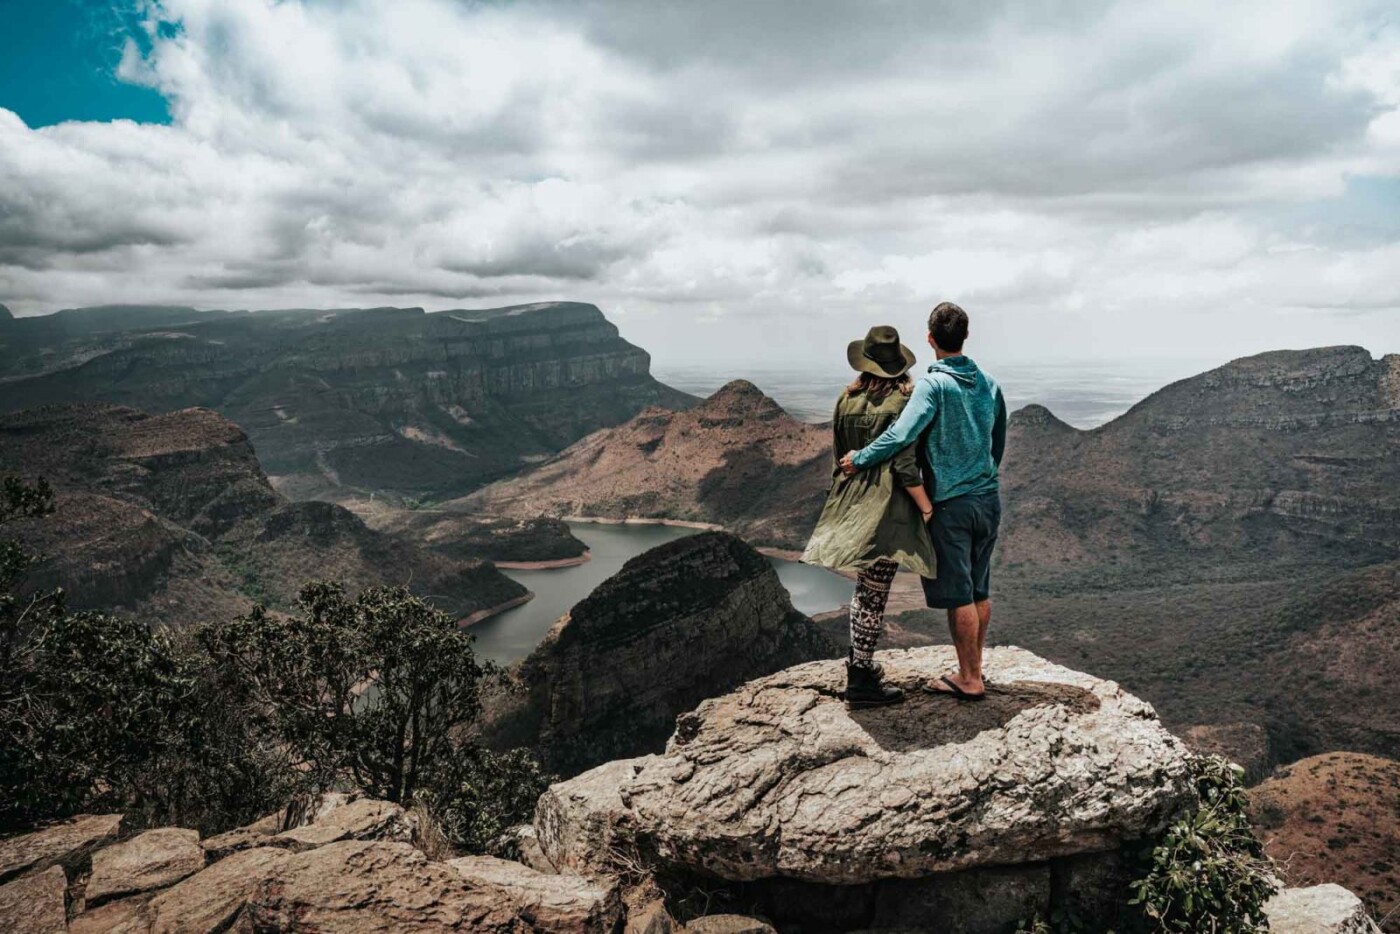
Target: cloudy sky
<point>755,180</point>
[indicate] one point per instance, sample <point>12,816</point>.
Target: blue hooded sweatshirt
<point>964,414</point>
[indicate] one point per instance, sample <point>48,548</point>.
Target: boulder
<point>367,886</point>
<point>779,780</point>
<point>348,819</point>
<point>35,904</point>
<point>521,844</point>
<point>1318,909</point>
<point>242,838</point>
<point>651,917</point>
<point>152,860</point>
<point>560,904</point>
<point>211,900</point>
<point>67,843</point>
<point>123,916</point>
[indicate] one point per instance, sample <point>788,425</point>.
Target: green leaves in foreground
<point>1208,871</point>
<point>1205,873</point>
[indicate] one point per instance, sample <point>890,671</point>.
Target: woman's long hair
<point>877,387</point>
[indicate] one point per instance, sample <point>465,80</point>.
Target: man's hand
<point>848,464</point>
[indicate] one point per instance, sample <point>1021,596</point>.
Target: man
<point>961,414</point>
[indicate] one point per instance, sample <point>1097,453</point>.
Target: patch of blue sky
<point>1366,213</point>
<point>59,58</point>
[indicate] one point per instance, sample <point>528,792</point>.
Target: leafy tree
<point>475,794</point>
<point>371,687</point>
<point>376,691</point>
<point>215,728</point>
<point>101,712</point>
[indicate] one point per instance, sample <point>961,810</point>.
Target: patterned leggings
<point>868,610</point>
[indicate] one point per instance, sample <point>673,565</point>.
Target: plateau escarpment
<point>736,460</point>
<point>676,625</point>
<point>348,400</point>
<point>171,517</point>
<point>1287,459</point>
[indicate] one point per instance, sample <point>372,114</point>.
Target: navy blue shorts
<point>964,531</point>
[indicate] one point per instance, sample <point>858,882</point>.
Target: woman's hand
<point>927,514</point>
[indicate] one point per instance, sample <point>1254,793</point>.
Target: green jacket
<point>869,516</point>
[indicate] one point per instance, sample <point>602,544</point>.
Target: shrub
<point>1205,873</point>
<point>216,728</point>
<point>374,691</point>
<point>1208,871</point>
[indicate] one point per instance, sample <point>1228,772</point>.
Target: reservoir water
<point>511,636</point>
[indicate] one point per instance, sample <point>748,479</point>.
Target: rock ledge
<point>779,780</point>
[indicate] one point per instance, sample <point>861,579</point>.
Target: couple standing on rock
<point>915,486</point>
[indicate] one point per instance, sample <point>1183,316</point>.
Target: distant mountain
<point>343,401</point>
<point>737,460</point>
<point>1289,458</point>
<point>170,517</point>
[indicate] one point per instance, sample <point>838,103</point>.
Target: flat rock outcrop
<point>679,623</point>
<point>152,860</point>
<point>780,779</point>
<point>549,902</point>
<point>370,886</point>
<point>65,843</point>
<point>1318,909</point>
<point>35,904</point>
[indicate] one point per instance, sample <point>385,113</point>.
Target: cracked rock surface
<point>779,779</point>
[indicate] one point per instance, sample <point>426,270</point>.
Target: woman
<point>875,521</point>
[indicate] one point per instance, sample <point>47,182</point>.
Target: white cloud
<point>695,168</point>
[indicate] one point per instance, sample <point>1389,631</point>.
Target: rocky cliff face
<point>1286,457</point>
<point>736,460</point>
<point>677,624</point>
<point>352,399</point>
<point>171,517</point>
<point>777,800</point>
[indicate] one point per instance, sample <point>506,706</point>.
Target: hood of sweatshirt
<point>961,368</point>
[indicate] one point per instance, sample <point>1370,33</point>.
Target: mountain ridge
<point>340,402</point>
<point>170,517</point>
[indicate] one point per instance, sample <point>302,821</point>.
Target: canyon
<point>340,403</point>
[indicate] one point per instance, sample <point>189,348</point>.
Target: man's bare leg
<point>984,621</point>
<point>965,626</point>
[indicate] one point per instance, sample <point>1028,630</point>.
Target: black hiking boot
<point>864,688</point>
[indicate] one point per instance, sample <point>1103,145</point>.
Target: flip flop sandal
<point>954,691</point>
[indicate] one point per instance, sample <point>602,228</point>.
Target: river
<point>511,635</point>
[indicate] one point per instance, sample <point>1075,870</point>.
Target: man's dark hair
<point>948,325</point>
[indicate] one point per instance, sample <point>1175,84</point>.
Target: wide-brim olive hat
<point>881,353</point>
